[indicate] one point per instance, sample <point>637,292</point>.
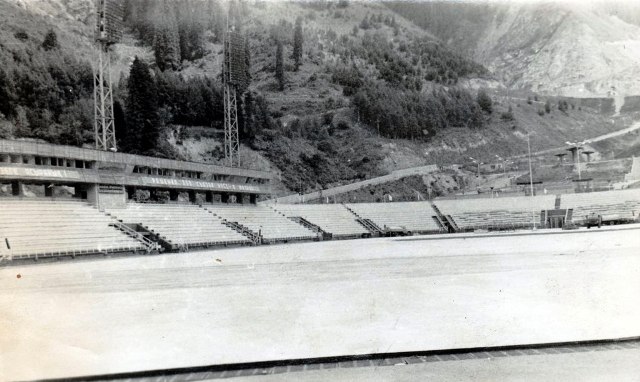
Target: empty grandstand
<point>102,218</point>
<point>333,219</point>
<point>34,228</point>
<point>262,222</point>
<point>416,217</point>
<point>496,213</point>
<point>179,226</point>
<point>614,205</point>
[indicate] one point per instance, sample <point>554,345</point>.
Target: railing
<point>254,237</point>
<point>149,245</point>
<point>322,234</point>
<point>442,220</point>
<point>370,225</point>
<point>452,223</point>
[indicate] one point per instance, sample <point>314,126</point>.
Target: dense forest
<point>45,92</point>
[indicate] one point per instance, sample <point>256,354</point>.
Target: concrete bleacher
<point>269,224</point>
<point>496,213</point>
<point>624,203</point>
<point>331,218</point>
<point>46,228</point>
<point>416,217</point>
<point>179,224</point>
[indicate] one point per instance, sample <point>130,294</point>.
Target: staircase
<point>150,245</point>
<point>569,217</point>
<point>366,223</point>
<point>452,223</point>
<point>254,237</point>
<point>322,234</point>
<point>444,223</point>
<point>371,226</point>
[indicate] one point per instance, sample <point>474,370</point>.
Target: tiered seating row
<point>331,218</point>
<point>42,228</point>
<point>414,216</point>
<point>496,213</point>
<point>271,225</point>
<point>180,224</point>
<point>49,228</point>
<point>625,203</point>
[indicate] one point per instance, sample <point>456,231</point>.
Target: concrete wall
<point>112,200</point>
<point>91,155</point>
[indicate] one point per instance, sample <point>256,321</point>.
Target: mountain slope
<point>580,49</point>
<point>374,93</point>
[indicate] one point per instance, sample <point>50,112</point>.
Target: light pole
<point>504,164</point>
<point>533,214</point>
<point>578,146</point>
<point>478,163</point>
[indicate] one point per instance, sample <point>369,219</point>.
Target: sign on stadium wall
<point>92,177</point>
<point>111,189</point>
<point>199,184</point>
<point>39,172</point>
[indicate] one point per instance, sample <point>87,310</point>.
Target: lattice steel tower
<point>109,15</point>
<point>235,82</point>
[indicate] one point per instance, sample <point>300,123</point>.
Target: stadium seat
<point>496,213</point>
<point>46,228</point>
<point>331,218</point>
<point>624,203</point>
<point>416,217</point>
<point>271,225</point>
<point>180,224</point>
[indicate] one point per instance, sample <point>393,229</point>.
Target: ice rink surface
<point>102,316</point>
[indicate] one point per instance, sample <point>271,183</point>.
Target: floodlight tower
<point>235,82</point>
<point>109,14</point>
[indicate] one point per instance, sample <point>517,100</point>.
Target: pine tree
<point>23,129</point>
<point>120,122</point>
<point>50,40</point>
<point>191,26</point>
<point>484,101</point>
<point>297,44</point>
<point>279,65</point>
<point>166,42</point>
<point>364,24</point>
<point>141,111</point>
<point>7,93</point>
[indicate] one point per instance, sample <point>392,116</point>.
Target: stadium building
<point>219,207</point>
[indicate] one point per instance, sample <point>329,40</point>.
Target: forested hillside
<point>45,90</point>
<point>326,79</point>
<point>336,91</point>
